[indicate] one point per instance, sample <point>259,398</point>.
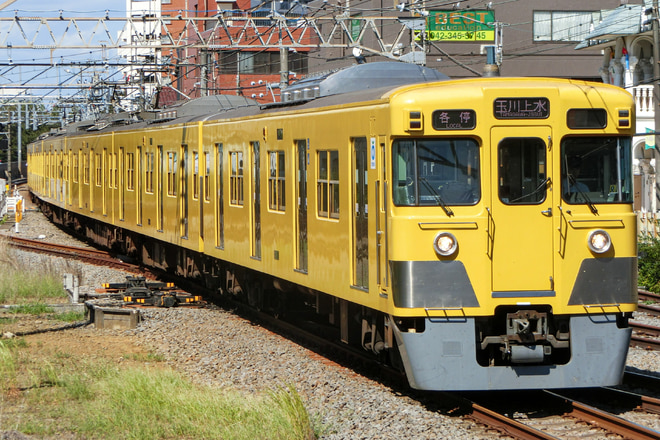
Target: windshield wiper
<point>538,189</point>
<point>437,197</point>
<point>573,185</point>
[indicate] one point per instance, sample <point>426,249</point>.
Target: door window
<point>522,171</point>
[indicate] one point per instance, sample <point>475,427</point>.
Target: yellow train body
<point>322,196</point>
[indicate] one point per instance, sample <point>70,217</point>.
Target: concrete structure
<point>625,39</point>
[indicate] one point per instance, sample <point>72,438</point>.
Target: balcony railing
<point>643,100</point>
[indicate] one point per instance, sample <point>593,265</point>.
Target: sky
<point>78,8</point>
<point>12,73</point>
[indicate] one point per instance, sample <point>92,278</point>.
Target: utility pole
<point>19,137</point>
<point>656,95</point>
<point>284,67</point>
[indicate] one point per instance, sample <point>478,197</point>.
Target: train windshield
<point>596,170</point>
<point>435,172</point>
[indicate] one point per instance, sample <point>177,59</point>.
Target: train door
<point>381,215</point>
<point>204,194</point>
<point>81,175</point>
<point>120,183</point>
<point>183,205</point>
<point>256,202</point>
<point>220,200</point>
<point>520,227</point>
<point>59,177</point>
<point>91,177</point>
<point>105,159</point>
<point>159,188</point>
<point>301,207</point>
<point>138,187</point>
<point>360,215</point>
<point>69,177</point>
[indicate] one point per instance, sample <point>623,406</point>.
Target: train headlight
<point>599,241</point>
<point>445,244</point>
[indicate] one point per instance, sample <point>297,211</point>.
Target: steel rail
<point>627,399</point>
<point>604,420</point>
<point>646,329</point>
<point>645,343</point>
<point>506,424</point>
<point>636,379</point>
<point>92,256</point>
<point>651,310</point>
<point>648,296</point>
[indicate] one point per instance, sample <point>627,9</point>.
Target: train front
<point>511,235</point>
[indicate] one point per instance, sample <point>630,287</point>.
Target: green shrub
<point>649,263</point>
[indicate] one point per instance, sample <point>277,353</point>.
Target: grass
<point>21,283</point>
<point>64,393</point>
<point>97,399</point>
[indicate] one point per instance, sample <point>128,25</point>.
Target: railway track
<point>556,415</point>
<point>645,336</point>
<point>87,255</point>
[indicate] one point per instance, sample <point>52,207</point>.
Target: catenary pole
<point>656,94</point>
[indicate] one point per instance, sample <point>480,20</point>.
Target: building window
<point>236,178</point>
<point>171,173</point>
<point>276,181</point>
<point>260,62</point>
<point>564,25</point>
<point>327,184</point>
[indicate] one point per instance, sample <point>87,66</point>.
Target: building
<point>143,76</point>
<point>529,38</point>
<point>625,40</point>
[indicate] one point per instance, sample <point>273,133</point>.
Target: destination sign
<point>521,108</point>
<point>454,119</point>
<point>473,25</point>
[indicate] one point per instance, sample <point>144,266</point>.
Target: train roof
<point>361,82</point>
<point>359,78</point>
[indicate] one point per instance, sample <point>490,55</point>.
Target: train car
<point>477,233</point>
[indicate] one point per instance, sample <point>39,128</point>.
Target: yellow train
<point>477,233</point>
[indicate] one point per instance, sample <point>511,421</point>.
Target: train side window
<point>149,172</point>
<point>76,165</point>
<point>130,171</point>
<point>99,169</point>
<point>86,167</point>
<point>327,184</point>
<point>172,164</point>
<point>236,178</point>
<point>195,175</point>
<point>522,173</point>
<point>207,174</point>
<point>276,181</point>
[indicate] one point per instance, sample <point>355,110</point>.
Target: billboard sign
<point>471,25</point>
